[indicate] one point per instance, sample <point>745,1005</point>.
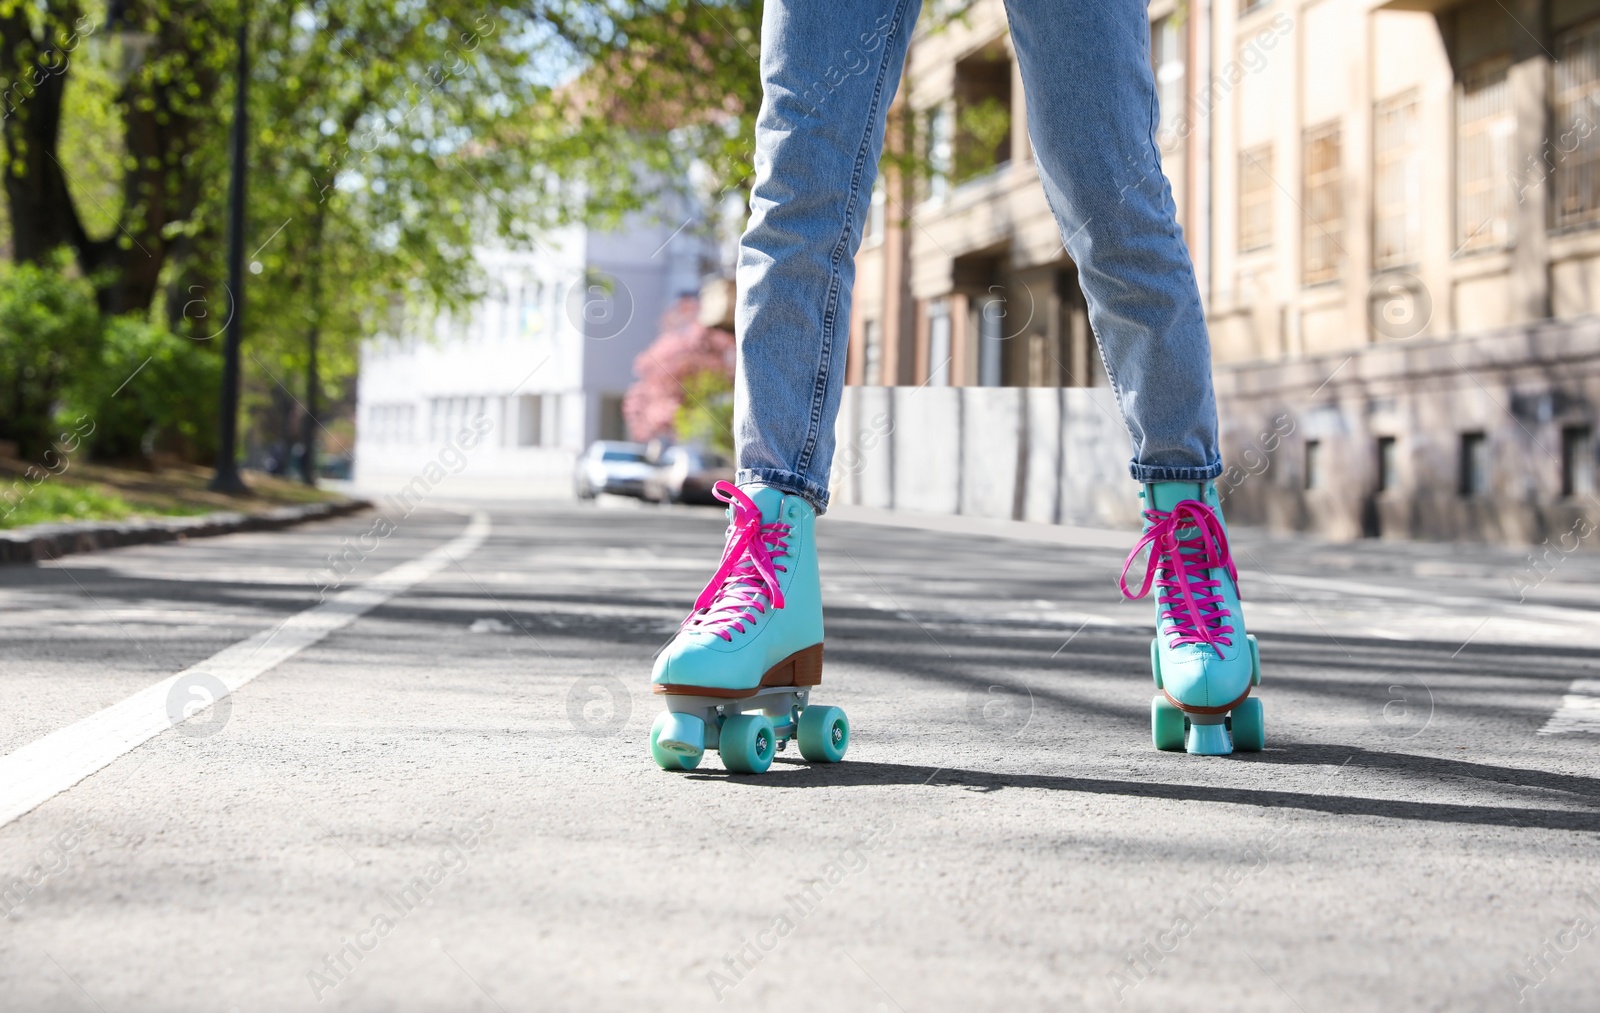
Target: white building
<point>545,357</point>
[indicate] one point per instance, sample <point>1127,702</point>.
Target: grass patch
<point>56,501</point>
<point>84,491</point>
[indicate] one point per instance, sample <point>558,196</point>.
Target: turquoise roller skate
<point>1204,662</point>
<point>737,678</point>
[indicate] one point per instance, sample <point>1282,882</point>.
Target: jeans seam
<point>1105,361</point>
<point>819,389</point>
<point>1116,388</point>
<point>1147,473</point>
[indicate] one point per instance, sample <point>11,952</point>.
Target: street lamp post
<point>308,424</point>
<point>227,477</point>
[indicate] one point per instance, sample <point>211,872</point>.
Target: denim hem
<point>789,482</point>
<point>1146,473</point>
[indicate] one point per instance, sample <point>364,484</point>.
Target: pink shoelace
<point>746,581</point>
<point>1177,568</point>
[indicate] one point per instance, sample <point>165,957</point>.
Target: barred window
<point>1574,146</point>
<point>1323,227</point>
<point>1397,181</point>
<point>1255,198</point>
<point>1485,125</point>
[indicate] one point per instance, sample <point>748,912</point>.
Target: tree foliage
<point>387,138</point>
<point>147,391</point>
<point>667,86</point>
<point>50,330</point>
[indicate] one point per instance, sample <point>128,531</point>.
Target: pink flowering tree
<point>685,385</point>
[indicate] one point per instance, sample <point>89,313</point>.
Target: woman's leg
<point>1092,116</point>
<point>829,72</point>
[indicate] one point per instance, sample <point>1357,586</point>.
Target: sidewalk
<point>39,542</point>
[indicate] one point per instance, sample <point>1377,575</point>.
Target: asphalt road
<point>442,798</point>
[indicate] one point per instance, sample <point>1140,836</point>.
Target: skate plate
<point>749,731</point>
<point>781,704</point>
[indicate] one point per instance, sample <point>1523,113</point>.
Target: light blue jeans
<point>829,69</point>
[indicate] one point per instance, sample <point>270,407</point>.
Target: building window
<point>530,420</point>
<point>391,423</point>
<point>1167,45</point>
<point>991,338</point>
<point>1577,154</point>
<point>983,113</point>
<point>1474,464</point>
<point>1313,464</point>
<point>1388,465</point>
<point>613,426</point>
<point>871,354</point>
<point>872,232</point>
<point>1324,205</point>
<point>1397,182</point>
<point>939,343</point>
<point>941,148</point>
<point>447,416</point>
<point>1577,461</point>
<point>1485,125</point>
<point>1255,199</point>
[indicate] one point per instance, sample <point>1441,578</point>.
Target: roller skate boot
<point>738,675</point>
<point>1204,662</point>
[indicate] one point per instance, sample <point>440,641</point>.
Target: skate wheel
<point>1155,659</point>
<point>747,743</point>
<point>1255,660</point>
<point>677,741</point>
<point>1166,725</point>
<point>1249,730</point>
<point>824,734</point>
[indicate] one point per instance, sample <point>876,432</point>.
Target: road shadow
<point>798,774</point>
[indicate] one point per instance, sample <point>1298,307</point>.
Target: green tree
<point>382,147</point>
<point>380,167</point>
<point>146,390</point>
<point>167,111</point>
<point>49,332</point>
<point>665,84</point>
<point>387,138</point>
<point>705,418</point>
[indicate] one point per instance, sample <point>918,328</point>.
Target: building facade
<point>545,357</point>
<point>1394,215</point>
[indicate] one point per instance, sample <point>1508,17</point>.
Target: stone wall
<point>1519,388</point>
<point>1060,456</point>
<point>1052,455</point>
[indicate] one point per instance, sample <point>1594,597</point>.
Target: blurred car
<point>336,466</point>
<point>686,475</point>
<point>611,466</point>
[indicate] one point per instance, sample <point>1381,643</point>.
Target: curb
<point>41,542</point>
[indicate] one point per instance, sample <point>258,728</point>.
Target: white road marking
<point>48,766</point>
<point>1579,710</point>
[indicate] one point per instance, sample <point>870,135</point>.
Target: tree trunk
<point>163,137</point>
<point>33,70</point>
